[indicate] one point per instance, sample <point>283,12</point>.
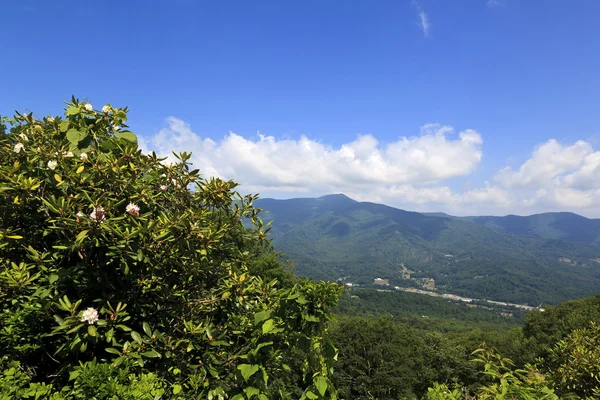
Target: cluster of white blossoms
<point>52,164</point>
<point>106,109</point>
<point>133,209</point>
<point>24,137</point>
<point>19,147</point>
<point>83,156</point>
<point>90,315</point>
<point>163,188</point>
<point>89,107</point>
<point>98,214</point>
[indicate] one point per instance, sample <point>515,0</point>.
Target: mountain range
<point>538,259</point>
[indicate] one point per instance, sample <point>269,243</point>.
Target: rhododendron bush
<point>123,276</point>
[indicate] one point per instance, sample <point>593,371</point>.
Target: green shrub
<point>121,271</point>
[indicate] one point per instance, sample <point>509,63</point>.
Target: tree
<point>573,364</point>
<point>123,268</point>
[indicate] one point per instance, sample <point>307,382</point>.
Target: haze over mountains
<point>545,258</point>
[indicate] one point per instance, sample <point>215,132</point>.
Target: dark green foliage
<point>555,323</point>
<point>425,312</point>
<point>574,363</point>
<point>123,276</point>
<point>379,358</point>
<point>335,237</point>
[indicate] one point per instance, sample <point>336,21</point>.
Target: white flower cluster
<point>106,109</point>
<point>83,156</point>
<point>98,214</point>
<point>133,209</point>
<point>89,107</point>
<point>19,147</point>
<point>90,315</point>
<point>52,164</point>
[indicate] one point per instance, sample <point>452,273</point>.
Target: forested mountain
<point>563,226</point>
<point>335,237</point>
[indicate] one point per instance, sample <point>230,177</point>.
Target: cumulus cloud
<point>548,162</point>
<point>557,177</point>
<point>306,165</point>
<point>421,172</point>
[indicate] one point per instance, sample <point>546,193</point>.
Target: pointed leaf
<point>247,370</point>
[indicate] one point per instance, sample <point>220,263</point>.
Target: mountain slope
<point>335,237</point>
<point>563,226</point>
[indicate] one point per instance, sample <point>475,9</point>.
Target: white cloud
<point>413,172</point>
<point>557,177</point>
<point>305,165</point>
<point>548,162</point>
<point>425,25</point>
<point>423,18</point>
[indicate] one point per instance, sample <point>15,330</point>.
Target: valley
<point>334,237</point>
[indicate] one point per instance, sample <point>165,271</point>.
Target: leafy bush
<point>574,363</point>
<point>126,274</point>
<point>503,382</point>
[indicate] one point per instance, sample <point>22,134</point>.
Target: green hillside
<point>563,226</point>
<point>335,237</point>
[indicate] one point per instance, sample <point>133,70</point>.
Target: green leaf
<point>311,395</point>
<point>64,125</point>
<point>73,110</point>
<point>81,235</point>
<point>321,385</point>
<point>268,326</point>
<point>112,351</point>
<point>177,389</point>
<point>147,329</point>
<point>78,327</point>
<point>91,330</point>
<point>251,391</point>
<point>151,353</point>
<point>310,318</point>
<point>127,135</point>
<point>136,336</point>
<point>247,370</point>
<point>261,316</point>
<point>75,136</point>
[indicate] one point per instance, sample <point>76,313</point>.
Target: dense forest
<point>124,276</point>
<point>334,237</point>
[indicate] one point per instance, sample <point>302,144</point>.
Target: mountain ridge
<point>335,237</point>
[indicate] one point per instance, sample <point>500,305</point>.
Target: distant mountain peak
<point>339,197</point>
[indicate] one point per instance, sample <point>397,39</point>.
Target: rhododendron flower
<point>132,208</point>
<point>89,107</point>
<point>52,164</point>
<point>90,315</point>
<point>106,109</point>
<point>19,147</point>
<point>83,156</point>
<point>98,214</point>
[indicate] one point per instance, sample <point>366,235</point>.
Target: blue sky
<point>348,96</point>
